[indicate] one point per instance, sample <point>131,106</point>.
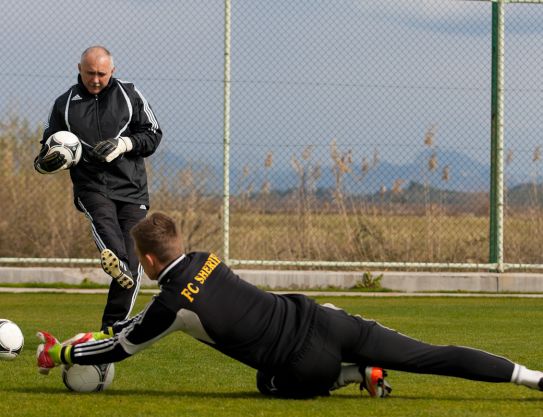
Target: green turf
<point>181,377</point>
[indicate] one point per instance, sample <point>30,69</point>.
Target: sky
<point>370,76</point>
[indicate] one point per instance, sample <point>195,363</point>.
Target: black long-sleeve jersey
<point>203,297</point>
<point>118,110</point>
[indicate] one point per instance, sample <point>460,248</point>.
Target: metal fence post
<point>496,150</point>
<point>226,134</point>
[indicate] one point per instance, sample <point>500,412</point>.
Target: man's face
<point>96,70</point>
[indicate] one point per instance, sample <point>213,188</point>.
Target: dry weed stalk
<point>341,167</point>
<point>364,167</point>
<point>376,158</point>
<point>7,159</point>
<point>266,188</point>
<point>342,162</point>
<point>429,141</point>
<point>432,162</point>
<point>297,166</point>
<point>308,174</point>
<point>445,175</point>
<point>246,171</point>
<point>268,162</point>
<point>537,154</point>
<point>536,205</point>
<point>397,186</point>
<point>306,154</point>
<point>509,157</point>
<point>190,211</point>
<point>429,136</point>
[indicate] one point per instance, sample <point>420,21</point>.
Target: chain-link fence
<point>357,131</point>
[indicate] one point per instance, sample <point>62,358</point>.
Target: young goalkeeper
<point>300,349</point>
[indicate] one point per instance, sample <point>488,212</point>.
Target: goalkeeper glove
<point>48,164</point>
<point>51,353</point>
<point>109,149</point>
<point>88,337</point>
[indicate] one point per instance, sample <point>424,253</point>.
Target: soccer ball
<point>68,145</point>
<point>88,378</point>
<point>11,340</point>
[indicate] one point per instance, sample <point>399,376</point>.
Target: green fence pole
<point>226,134</point>
<point>496,150</point>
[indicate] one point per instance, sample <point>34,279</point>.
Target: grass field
<point>181,377</point>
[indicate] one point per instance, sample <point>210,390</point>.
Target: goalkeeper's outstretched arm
<point>129,337</point>
<point>124,340</point>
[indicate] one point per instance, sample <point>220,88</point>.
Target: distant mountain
<point>437,169</point>
<point>442,169</point>
<point>525,195</point>
<point>421,194</point>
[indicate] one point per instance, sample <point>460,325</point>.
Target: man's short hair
<point>102,48</point>
<point>158,234</point>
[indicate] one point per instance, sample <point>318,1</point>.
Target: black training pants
<point>111,221</point>
<point>337,337</point>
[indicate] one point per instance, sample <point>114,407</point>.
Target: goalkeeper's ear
<point>151,265</point>
<point>151,259</point>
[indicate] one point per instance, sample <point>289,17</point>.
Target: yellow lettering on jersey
<point>187,294</point>
<point>201,277</point>
<point>207,269</point>
<point>193,288</point>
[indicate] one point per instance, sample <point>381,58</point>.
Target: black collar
<point>169,267</point>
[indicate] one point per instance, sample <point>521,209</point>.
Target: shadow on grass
<point>255,395</point>
<point>143,393</point>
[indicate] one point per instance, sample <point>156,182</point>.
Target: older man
<point>117,129</point>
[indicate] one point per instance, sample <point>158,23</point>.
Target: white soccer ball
<point>88,378</point>
<point>68,145</point>
<point>11,340</point>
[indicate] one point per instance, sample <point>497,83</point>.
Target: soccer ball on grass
<point>11,340</point>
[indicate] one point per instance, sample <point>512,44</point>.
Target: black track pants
<point>338,337</point>
<point>111,221</point>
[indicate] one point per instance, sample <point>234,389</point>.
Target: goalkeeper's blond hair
<point>158,234</point>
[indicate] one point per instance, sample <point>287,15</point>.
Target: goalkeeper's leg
<point>389,349</point>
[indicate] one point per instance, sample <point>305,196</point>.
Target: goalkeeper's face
<point>96,69</point>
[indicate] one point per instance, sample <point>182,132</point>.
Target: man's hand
<point>109,149</point>
<point>48,164</point>
<point>48,353</point>
<point>88,337</point>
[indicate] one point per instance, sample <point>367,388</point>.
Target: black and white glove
<point>48,164</point>
<point>109,149</point>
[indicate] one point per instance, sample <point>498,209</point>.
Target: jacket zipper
<point>97,107</point>
<point>98,118</point>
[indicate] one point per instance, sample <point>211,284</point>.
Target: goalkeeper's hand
<point>88,337</point>
<point>48,164</point>
<point>51,353</point>
<point>109,149</point>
